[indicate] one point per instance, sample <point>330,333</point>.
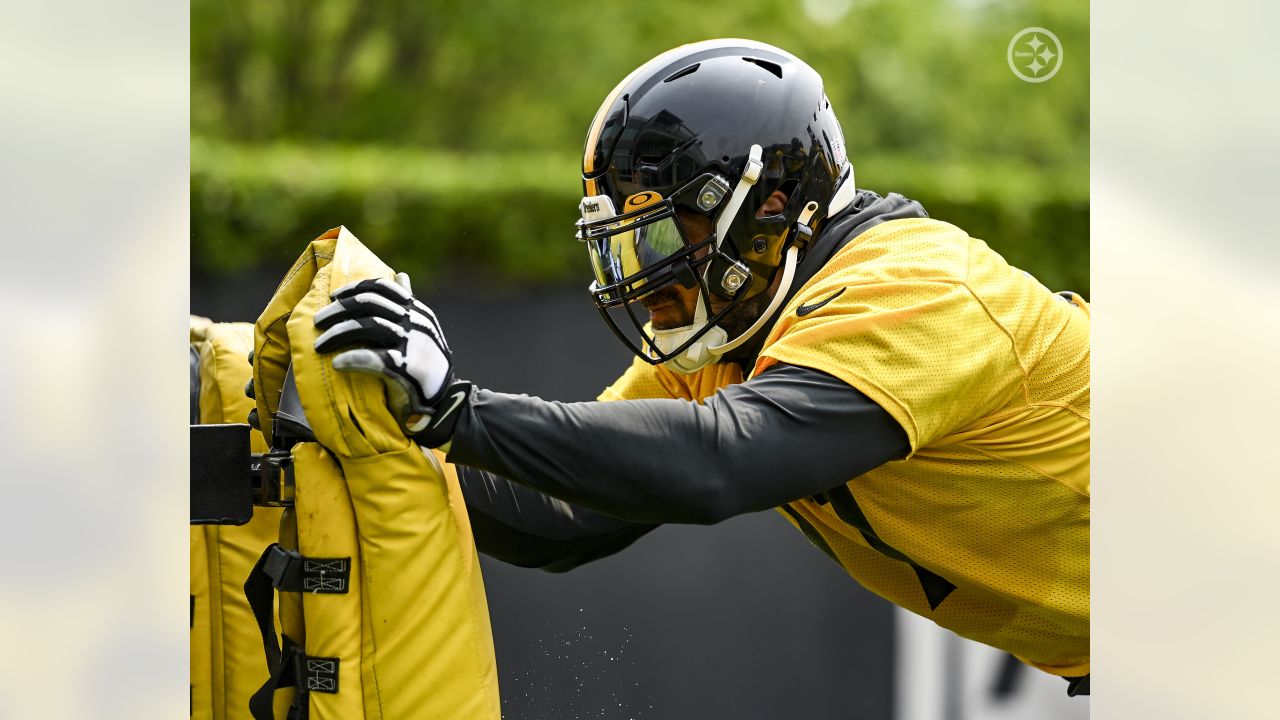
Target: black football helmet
<point>712,128</point>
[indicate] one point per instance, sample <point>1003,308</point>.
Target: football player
<point>918,408</point>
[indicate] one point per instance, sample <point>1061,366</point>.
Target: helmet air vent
<point>681,73</point>
<point>772,67</point>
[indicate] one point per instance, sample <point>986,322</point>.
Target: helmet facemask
<point>646,249</point>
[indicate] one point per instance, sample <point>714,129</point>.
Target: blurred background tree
<point>447,136</point>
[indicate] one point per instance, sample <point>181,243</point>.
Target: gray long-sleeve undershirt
<point>620,468</point>
<point>527,528</point>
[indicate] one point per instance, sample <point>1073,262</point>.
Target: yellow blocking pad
<point>327,529</point>
<point>428,623</point>
<point>201,627</point>
<point>284,333</point>
<point>236,665</point>
<point>227,662</point>
<point>425,645</point>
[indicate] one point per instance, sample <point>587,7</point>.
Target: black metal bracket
<point>227,480</point>
<point>221,475</point>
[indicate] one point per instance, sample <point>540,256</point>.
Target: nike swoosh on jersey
<point>457,400</point>
<point>806,309</point>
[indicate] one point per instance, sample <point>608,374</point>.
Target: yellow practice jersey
<point>984,527</point>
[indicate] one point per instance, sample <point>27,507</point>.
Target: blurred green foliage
<point>447,136</point>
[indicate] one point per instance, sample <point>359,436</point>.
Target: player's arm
<point>786,434</point>
<point>530,529</point>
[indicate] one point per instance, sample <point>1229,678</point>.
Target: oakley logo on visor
<point>642,200</point>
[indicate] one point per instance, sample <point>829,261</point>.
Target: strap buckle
<point>273,478</point>
<point>290,571</point>
<point>287,663</point>
<point>803,233</point>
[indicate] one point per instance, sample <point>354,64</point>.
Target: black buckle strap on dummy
<point>273,473</point>
<point>290,666</point>
<point>298,670</point>
<point>281,675</point>
<point>260,593</point>
<point>227,480</point>
<point>290,571</point>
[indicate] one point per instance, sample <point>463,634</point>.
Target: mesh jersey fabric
<point>984,527</point>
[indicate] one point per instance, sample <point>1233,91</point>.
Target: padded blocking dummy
<point>409,635</point>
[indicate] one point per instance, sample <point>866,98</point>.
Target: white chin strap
<point>715,343</point>
<point>697,355</point>
<point>788,274</point>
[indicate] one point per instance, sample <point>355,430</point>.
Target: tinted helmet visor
<point>646,249</point>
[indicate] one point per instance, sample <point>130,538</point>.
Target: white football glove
<point>383,331</point>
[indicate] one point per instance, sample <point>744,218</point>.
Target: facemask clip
<point>734,278</point>
<point>712,193</point>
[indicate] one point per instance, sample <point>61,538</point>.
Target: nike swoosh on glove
<point>383,330</point>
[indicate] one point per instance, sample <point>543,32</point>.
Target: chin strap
<point>788,275</point>
<point>750,174</point>
<point>715,342</point>
<point>700,353</point>
<point>697,355</point>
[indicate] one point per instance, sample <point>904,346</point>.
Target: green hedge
<point>511,216</point>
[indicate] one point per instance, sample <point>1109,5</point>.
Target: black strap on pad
<point>290,666</point>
